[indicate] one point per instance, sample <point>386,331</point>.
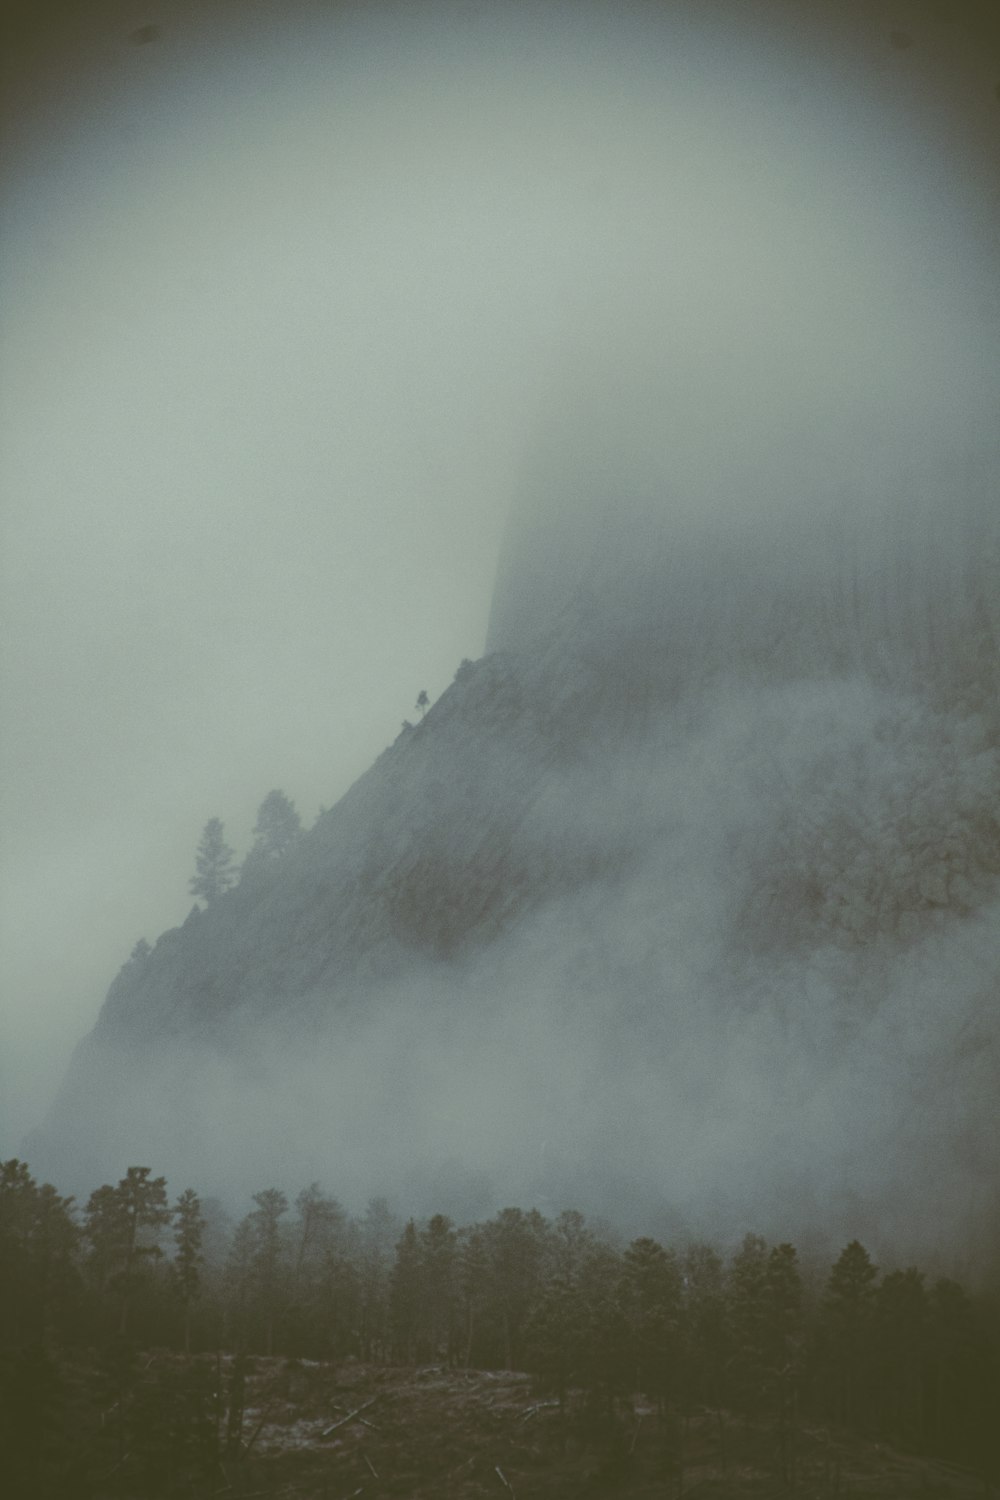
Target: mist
<point>688,316</point>
<point>745,976</point>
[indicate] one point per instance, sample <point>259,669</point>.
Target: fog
<point>733,1005</point>
<point>301,304</point>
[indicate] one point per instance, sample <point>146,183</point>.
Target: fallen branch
<point>257,1430</point>
<point>363,1420</point>
<point>540,1406</point>
<point>503,1479</point>
<point>117,1466</point>
<point>370,1465</point>
<point>349,1418</point>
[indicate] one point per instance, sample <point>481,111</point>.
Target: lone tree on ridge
<point>213,864</point>
<point>278,826</point>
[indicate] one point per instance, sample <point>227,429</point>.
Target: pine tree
<point>323,1282</point>
<point>748,1322</point>
<point>709,1343</point>
<point>379,1231</point>
<point>406,1296</point>
<point>144,1213</point>
<point>439,1255</point>
<point>473,1284</point>
<point>515,1244</point>
<point>277,828</point>
<point>121,1225</point>
<point>569,1244</point>
<point>651,1290</point>
<point>268,1254</point>
<point>189,1227</point>
<point>783,1347</point>
<point>38,1241</point>
<point>847,1320</point>
<point>901,1350</point>
<point>213,863</point>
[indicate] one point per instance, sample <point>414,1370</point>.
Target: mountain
<point>683,901</point>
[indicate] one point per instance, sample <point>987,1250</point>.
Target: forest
<point>151,1347</point>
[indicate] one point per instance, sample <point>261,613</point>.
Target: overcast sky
<point>285,289</point>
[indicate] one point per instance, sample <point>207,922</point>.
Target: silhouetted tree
<point>324,1282</point>
<point>213,865</point>
<point>38,1243</point>
<point>708,1343</point>
<point>267,1256</point>
<point>847,1325</point>
<point>423,701</point>
<point>406,1295</point>
<point>473,1281</point>
<point>554,1335</point>
<point>238,1285</point>
<point>783,1349</point>
<point>439,1266</point>
<point>748,1322</point>
<point>277,828</point>
<point>189,1226</point>
<point>120,1226</point>
<point>515,1248</point>
<point>320,1223</point>
<point>651,1296</point>
<point>569,1242</point>
<point>378,1232</point>
<point>962,1378</point>
<point>144,1212</point>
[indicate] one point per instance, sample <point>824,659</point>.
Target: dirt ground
<point>313,1431</point>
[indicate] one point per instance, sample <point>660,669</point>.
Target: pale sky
<point>285,289</point>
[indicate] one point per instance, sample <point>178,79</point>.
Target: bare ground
<point>316,1431</point>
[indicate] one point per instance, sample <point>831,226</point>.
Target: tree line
<point>892,1354</point>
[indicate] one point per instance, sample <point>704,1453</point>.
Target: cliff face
<point>729,947</point>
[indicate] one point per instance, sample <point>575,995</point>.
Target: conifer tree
<point>406,1296</point>
<point>323,1281</point>
<point>189,1228</point>
<point>473,1279</point>
<point>569,1244</point>
<point>515,1244</point>
<point>321,1222</point>
<point>439,1259</point>
<point>847,1318</point>
<point>121,1225</point>
<point>38,1241</point>
<point>783,1349</point>
<point>378,1231</point>
<point>651,1290</point>
<point>748,1321</point>
<point>213,865</point>
<point>277,828</point>
<point>144,1212</point>
<point>709,1344</point>
<point>267,1257</point>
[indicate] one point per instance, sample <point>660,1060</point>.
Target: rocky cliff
<point>688,892</point>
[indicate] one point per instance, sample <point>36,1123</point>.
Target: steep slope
<point>590,931</point>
